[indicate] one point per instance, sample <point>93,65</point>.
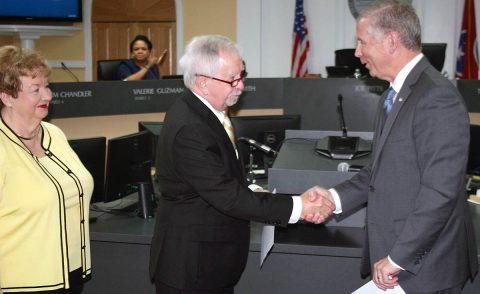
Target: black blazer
<point>202,233</point>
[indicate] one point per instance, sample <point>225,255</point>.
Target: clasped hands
<point>317,205</point>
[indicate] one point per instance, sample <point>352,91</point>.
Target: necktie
<point>227,125</point>
<point>389,100</point>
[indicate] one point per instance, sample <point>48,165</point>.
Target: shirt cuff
<point>297,210</point>
<point>336,200</point>
<point>394,264</point>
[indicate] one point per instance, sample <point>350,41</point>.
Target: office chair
<point>107,69</point>
<point>346,57</point>
<point>435,53</point>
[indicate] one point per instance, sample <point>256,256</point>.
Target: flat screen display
<point>266,129</point>
<point>474,153</point>
<point>91,152</point>
<point>40,10</point>
<point>129,162</point>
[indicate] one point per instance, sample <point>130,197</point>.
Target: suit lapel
<point>383,130</point>
<point>212,121</point>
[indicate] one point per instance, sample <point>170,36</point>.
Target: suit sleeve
<point>202,161</point>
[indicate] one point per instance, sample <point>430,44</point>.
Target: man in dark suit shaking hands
<point>202,232</point>
<point>419,232</point>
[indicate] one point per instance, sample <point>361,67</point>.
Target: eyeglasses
<point>234,83</point>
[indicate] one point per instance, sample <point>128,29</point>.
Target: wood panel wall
<point>115,23</point>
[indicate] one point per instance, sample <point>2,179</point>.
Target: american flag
<point>300,42</point>
<point>467,56</point>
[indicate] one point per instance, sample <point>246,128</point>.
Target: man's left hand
<point>384,274</point>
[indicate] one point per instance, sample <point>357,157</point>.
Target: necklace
<point>37,130</point>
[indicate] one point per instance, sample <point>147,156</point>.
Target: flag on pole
<point>467,56</point>
<point>300,42</point>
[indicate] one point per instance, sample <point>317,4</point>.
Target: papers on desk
<point>268,237</point>
<point>371,288</point>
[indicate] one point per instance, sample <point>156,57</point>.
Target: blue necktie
<point>389,100</point>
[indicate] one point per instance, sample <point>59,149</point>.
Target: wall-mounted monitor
<point>34,11</point>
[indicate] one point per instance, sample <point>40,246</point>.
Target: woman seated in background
<point>143,65</point>
<point>44,188</point>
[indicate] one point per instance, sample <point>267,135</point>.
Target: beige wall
<point>209,17</point>
<point>9,40</point>
<point>199,17</point>
<point>57,48</point>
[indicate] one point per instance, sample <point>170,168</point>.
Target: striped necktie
<point>389,100</point>
<point>227,125</point>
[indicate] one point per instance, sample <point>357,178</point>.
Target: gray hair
<point>202,56</point>
<point>393,16</point>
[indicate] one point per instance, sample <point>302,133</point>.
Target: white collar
<point>402,75</point>
<point>219,114</point>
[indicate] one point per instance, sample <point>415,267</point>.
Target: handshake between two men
<point>317,205</point>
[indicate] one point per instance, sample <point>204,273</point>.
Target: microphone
<point>258,145</point>
<point>345,167</point>
<point>65,68</point>
<point>340,112</point>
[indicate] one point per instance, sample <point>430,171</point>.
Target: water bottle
<point>357,74</point>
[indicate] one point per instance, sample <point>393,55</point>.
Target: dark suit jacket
<point>202,233</point>
<point>415,185</point>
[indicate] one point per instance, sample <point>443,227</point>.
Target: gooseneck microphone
<point>258,145</point>
<point>340,112</point>
<point>65,68</point>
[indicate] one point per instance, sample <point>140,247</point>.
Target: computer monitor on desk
<point>473,166</point>
<point>91,152</point>
<point>265,129</point>
<point>154,128</point>
<point>129,162</point>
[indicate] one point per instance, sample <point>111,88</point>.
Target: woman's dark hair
<point>141,38</point>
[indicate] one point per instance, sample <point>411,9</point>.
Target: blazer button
<point>371,188</point>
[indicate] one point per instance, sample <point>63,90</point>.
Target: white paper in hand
<point>371,288</point>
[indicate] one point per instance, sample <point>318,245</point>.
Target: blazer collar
<point>210,119</point>
<point>383,129</point>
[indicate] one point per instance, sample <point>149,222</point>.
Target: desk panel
<point>120,97</point>
<point>305,258</point>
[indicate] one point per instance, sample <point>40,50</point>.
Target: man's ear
<point>201,84</point>
<point>393,41</point>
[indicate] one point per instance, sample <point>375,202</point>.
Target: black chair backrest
<point>346,57</point>
<point>435,53</point>
<point>107,69</point>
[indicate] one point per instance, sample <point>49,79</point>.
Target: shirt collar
<point>402,75</point>
<point>219,114</point>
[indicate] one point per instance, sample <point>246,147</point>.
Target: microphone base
<point>343,147</point>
